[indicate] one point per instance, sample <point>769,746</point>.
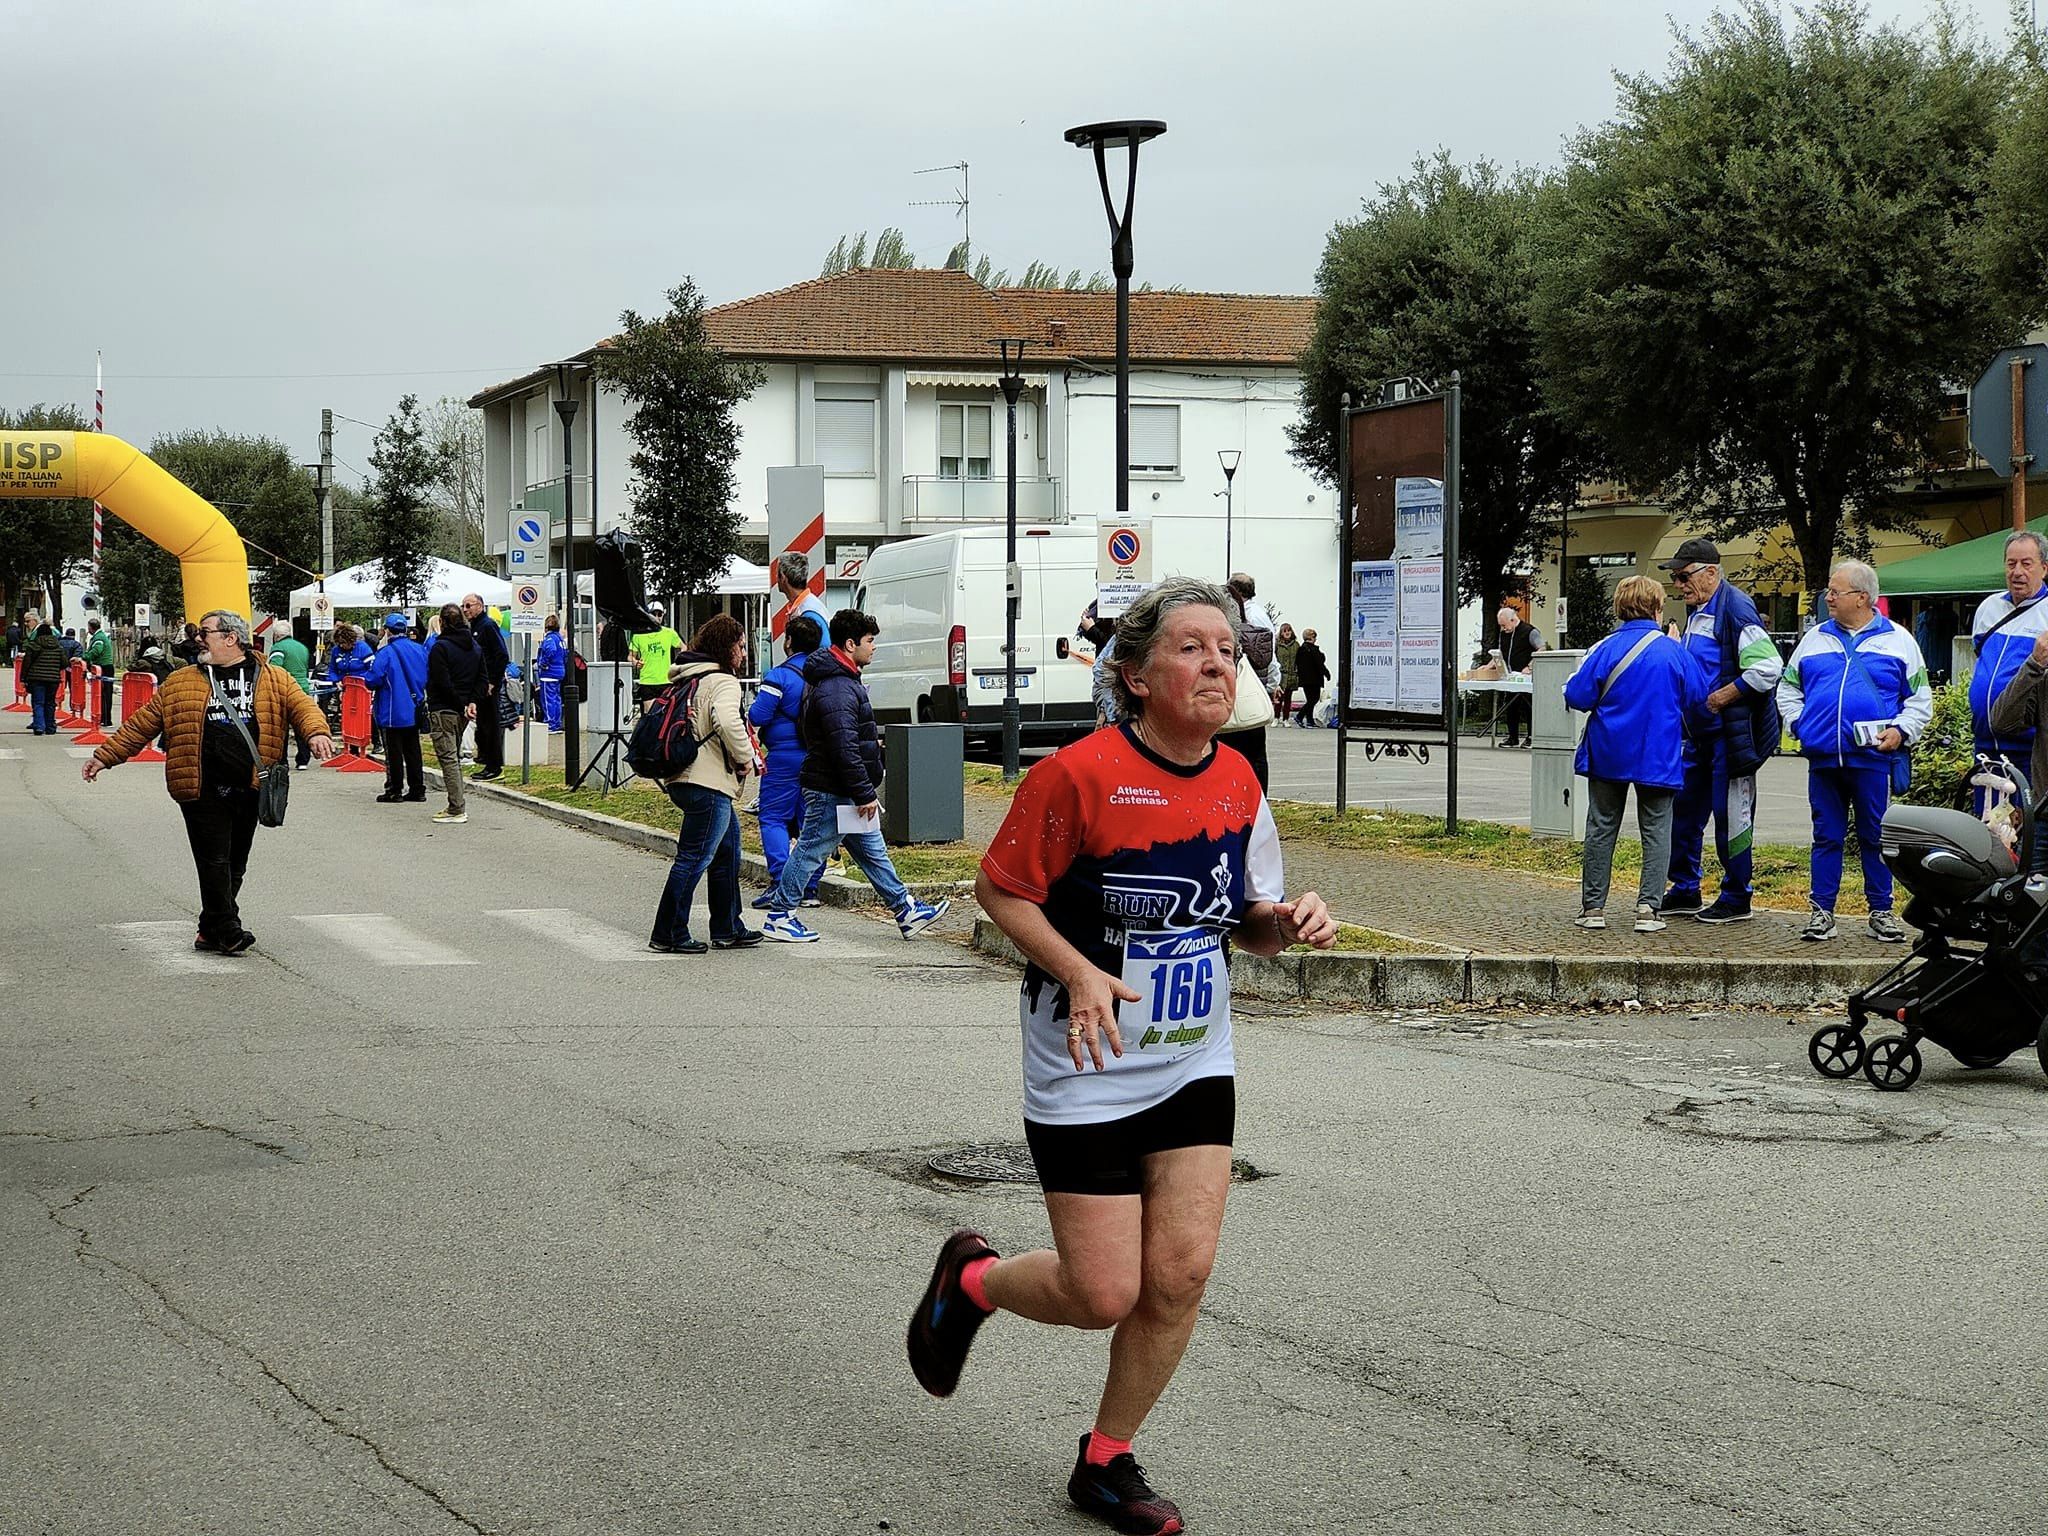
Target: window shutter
<point>845,432</point>
<point>949,431</point>
<point>1155,437</point>
<point>978,431</point>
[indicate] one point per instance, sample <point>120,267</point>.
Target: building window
<point>846,437</point>
<point>965,433</point>
<point>537,465</point>
<point>1155,439</point>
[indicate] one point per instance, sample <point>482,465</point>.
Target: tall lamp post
<point>1013,580</point>
<point>1101,138</point>
<point>572,711</point>
<point>1228,458</point>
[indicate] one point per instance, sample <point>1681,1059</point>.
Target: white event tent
<point>740,578</point>
<point>447,582</point>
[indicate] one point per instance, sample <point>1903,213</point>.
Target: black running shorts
<point>1107,1157</point>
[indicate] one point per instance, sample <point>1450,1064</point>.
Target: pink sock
<point>1102,1450</point>
<point>970,1281</point>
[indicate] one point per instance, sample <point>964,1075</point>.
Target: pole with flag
<point>99,424</point>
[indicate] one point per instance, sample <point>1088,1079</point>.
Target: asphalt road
<point>432,1215</point>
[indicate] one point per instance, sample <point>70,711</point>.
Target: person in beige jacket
<point>708,795</point>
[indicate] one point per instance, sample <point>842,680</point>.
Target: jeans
<point>220,829</point>
<point>403,772</point>
<point>447,727</point>
<point>781,810</point>
<point>709,840</point>
<point>815,843</point>
<point>42,708</point>
<point>1731,802</point>
<point>1605,801</point>
<point>1833,793</point>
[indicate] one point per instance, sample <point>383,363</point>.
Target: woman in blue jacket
<point>1855,695</point>
<point>549,663</point>
<point>777,707</point>
<point>1638,685</point>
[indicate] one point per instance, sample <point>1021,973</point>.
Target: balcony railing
<point>547,498</point>
<point>931,499</point>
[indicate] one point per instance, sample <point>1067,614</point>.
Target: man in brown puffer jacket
<point>207,766</point>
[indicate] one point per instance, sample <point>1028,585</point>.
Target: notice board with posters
<point>1397,557</point>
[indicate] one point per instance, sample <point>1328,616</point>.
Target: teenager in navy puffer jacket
<point>1636,736</point>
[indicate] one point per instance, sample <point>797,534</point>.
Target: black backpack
<point>662,744</point>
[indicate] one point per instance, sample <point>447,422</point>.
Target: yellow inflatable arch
<point>132,486</point>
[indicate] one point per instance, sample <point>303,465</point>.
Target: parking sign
<point>527,550</point>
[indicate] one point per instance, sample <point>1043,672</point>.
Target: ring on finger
<point>1074,1033</point>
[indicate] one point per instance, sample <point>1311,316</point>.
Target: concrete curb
<point>1425,981</point>
<point>833,890</point>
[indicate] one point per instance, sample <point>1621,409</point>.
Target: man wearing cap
<point>398,680</point>
<point>654,655</point>
<point>2003,635</point>
<point>1727,740</point>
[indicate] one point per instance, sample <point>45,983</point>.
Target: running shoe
<point>240,942</point>
<point>746,938</point>
<point>1886,928</point>
<point>1676,900</point>
<point>451,818</point>
<point>1592,917</point>
<point>785,929</point>
<point>946,1319</point>
<point>1819,927</point>
<point>811,901</point>
<point>1119,1494</point>
<point>1647,920</point>
<point>1725,911</point>
<point>917,917</point>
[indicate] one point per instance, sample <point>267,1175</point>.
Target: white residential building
<point>888,380</point>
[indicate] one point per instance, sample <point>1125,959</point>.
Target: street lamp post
<point>1013,716</point>
<point>1228,458</point>
<point>572,712</point>
<point>1103,137</point>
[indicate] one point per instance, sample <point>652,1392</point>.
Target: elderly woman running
<point>1128,864</point>
<point>210,714</point>
<point>1855,695</point>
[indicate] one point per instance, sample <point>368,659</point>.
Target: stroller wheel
<point>1836,1051</point>
<point>1892,1064</point>
<point>1977,1061</point>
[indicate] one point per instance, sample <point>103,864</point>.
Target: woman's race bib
<point>1183,987</point>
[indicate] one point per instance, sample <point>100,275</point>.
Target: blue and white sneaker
<point>765,902</point>
<point>917,917</point>
<point>785,929</point>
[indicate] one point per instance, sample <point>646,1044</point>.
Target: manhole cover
<point>993,1162</point>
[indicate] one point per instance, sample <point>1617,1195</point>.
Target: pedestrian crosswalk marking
<point>10,754</point>
<point>80,751</point>
<point>167,946</point>
<point>382,940</point>
<point>586,935</point>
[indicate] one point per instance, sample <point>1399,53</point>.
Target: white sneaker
<point>1819,928</point>
<point>1647,920</point>
<point>451,818</point>
<point>1593,917</point>
<point>917,917</point>
<point>784,929</point>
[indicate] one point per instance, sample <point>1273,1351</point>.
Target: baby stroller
<point>1976,982</point>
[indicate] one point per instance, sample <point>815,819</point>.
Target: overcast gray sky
<point>256,208</point>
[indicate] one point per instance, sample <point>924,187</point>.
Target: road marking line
<point>586,935</point>
<point>10,754</point>
<point>167,946</point>
<point>80,751</point>
<point>382,940</point>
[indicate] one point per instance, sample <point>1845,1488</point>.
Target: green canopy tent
<point>1972,568</point>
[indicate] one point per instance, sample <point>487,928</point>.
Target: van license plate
<point>1023,682</point>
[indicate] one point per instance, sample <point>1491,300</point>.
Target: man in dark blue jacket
<point>490,643</point>
<point>841,781</point>
<point>398,685</point>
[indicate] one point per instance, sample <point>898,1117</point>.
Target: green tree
<point>1756,280</point>
<point>2013,247</point>
<point>455,433</point>
<point>43,542</point>
<point>681,392</point>
<point>402,518</point>
<point>1438,275</point>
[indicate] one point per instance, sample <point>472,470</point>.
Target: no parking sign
<point>1123,566</point>
<point>529,608</point>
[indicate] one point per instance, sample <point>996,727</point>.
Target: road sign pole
<point>2020,457</point>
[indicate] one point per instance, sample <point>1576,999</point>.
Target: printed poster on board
<point>1375,605</point>
<point>1418,517</point>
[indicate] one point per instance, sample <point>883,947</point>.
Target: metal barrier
<point>354,756</point>
<point>137,689</point>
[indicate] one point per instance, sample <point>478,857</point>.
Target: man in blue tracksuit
<point>2003,634</point>
<point>549,663</point>
<point>398,688</point>
<point>777,713</point>
<point>1855,695</point>
<point>1728,738</point>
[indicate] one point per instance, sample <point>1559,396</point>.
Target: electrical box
<point>1013,581</point>
<point>1557,796</point>
<point>924,797</point>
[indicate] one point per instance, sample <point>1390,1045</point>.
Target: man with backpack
<point>1727,740</point>
<point>841,780</point>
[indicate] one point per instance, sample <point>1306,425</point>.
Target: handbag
<point>1254,706</point>
<point>273,783</point>
<point>1902,760</point>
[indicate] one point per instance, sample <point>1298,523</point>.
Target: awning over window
<point>967,378</point>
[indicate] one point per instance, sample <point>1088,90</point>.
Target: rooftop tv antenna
<point>957,204</point>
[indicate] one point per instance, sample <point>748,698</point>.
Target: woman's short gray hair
<point>233,623</point>
<point>1137,630</point>
<point>1860,576</point>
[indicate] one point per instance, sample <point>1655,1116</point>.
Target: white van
<point>939,600</point>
